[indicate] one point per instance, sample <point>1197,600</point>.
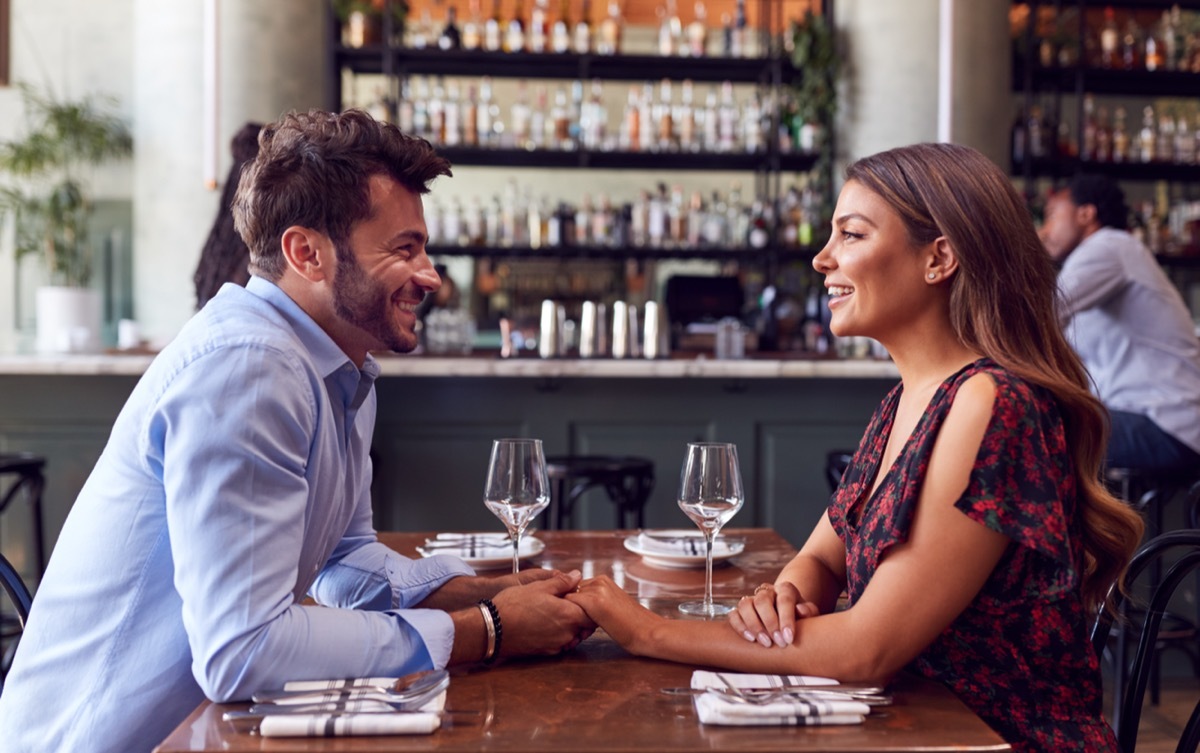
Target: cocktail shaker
<point>624,330</point>
<point>550,338</point>
<point>593,330</point>
<point>654,340</point>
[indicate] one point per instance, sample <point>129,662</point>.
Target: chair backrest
<point>17,592</point>
<point>1129,707</point>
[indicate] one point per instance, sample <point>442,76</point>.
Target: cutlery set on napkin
<point>686,543</point>
<point>727,698</point>
<point>479,546</point>
<point>411,705</point>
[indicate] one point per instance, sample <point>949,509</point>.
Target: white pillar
<point>271,56</point>
<point>890,92</point>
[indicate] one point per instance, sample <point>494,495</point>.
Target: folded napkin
<point>356,718</point>
<point>346,725</point>
<point>716,708</point>
<point>685,544</point>
<point>319,686</point>
<point>476,545</point>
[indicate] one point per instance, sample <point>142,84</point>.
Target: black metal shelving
<point>643,253</point>
<point>1061,167</point>
<point>622,160</point>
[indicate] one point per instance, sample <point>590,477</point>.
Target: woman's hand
<point>618,613</point>
<point>769,615</point>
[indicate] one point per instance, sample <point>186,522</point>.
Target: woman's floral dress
<point>1019,655</point>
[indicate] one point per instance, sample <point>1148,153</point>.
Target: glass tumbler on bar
<point>710,492</point>
<point>517,487</point>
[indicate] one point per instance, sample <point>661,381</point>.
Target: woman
<point>971,532</point>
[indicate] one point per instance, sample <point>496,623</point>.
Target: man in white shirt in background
<point>1130,326</point>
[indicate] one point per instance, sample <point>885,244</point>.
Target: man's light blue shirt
<point>235,482</point>
<point>1133,332</point>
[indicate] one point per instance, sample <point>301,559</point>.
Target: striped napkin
<point>715,708</point>
<point>684,544</point>
<point>470,546</point>
<point>348,720</point>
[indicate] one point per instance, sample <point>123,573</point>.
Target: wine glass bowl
<point>710,493</point>
<point>517,488</point>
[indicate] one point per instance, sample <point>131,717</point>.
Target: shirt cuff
<point>422,577</point>
<point>434,628</point>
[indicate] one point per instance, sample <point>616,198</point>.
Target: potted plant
<point>46,193</point>
<point>818,65</point>
<point>362,20</point>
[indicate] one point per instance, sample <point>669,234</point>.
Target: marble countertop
<point>753,368</point>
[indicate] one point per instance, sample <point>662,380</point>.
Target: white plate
<point>732,548</point>
<point>531,546</point>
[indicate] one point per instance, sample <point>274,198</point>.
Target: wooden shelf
<point>646,253</point>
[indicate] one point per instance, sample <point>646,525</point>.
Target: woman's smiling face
<point>874,274</point>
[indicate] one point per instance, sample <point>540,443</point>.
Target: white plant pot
<point>68,320</point>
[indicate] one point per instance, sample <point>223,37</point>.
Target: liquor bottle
<point>648,136</point>
<point>677,218</point>
<point>1147,137</point>
<point>470,118</point>
<point>1103,136</point>
<point>560,35</point>
<point>595,124</point>
<point>420,100</point>
<point>493,30</point>
<point>514,31</point>
<point>712,135</point>
<point>632,121</point>
<point>727,116</point>
<point>670,29</point>
<point>696,219</point>
<point>726,35</point>
<point>452,129</point>
<point>609,40</point>
<point>582,34</point>
<point>538,26</point>
<point>583,222</point>
<point>751,126</point>
<point>520,115</point>
<point>537,121</point>
<point>1035,134</point>
<point>665,117</point>
<point>451,37</point>
<point>1087,150</point>
<point>697,32</point>
<point>1131,58</point>
<point>1019,138</point>
<point>560,121</point>
<point>1174,40</point>
<point>485,114</point>
<point>741,36</point>
<point>602,222</point>
<point>405,112</point>
<point>575,116</point>
<point>472,31</point>
<point>1120,137</point>
<point>1109,40</point>
<point>473,222</point>
<point>656,222</point>
<point>437,114</point>
<point>639,220</point>
<point>534,221</point>
<point>1164,148</point>
<point>688,141</point>
<point>1153,51</point>
<point>1185,143</point>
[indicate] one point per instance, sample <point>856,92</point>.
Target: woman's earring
<point>933,275</point>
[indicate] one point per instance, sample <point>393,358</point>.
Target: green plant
<point>46,192</point>
<point>818,66</point>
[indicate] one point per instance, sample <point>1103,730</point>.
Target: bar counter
<point>437,417</point>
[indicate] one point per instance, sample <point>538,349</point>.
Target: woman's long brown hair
<point>1002,304</point>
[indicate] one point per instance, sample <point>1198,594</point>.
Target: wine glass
<point>710,492</point>
<point>517,488</point>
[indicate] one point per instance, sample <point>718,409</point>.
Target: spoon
<point>402,689</point>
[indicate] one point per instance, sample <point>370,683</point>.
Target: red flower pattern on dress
<point>1019,655</point>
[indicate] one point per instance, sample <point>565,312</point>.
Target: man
<point>1129,325</point>
<point>237,479</point>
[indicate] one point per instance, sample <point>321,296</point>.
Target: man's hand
<point>537,619</point>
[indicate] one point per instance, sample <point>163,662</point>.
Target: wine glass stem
<point>708,557</point>
<point>516,539</point>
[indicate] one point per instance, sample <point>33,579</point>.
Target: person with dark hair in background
<point>237,480</point>
<point>971,532</point>
<point>1130,326</point>
<point>225,257</point>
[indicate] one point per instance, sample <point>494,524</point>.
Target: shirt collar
<point>325,353</point>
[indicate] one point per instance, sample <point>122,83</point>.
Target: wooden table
<point>600,699</point>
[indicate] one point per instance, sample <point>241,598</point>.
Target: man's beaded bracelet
<point>495,630</point>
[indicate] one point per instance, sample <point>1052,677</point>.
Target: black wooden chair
<point>11,627</point>
<point>1129,691</point>
<point>627,480</point>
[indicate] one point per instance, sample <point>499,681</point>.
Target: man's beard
<point>366,304</point>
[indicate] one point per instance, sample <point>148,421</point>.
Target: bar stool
<point>628,481</point>
<point>23,471</point>
<point>1150,492</point>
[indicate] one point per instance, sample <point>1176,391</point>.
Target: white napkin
<point>682,544</point>
<point>318,686</point>
<point>374,720</point>
<point>476,545</point>
<point>713,708</point>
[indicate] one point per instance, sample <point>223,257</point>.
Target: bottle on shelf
<point>539,36</point>
<point>608,41</point>
<point>520,115</point>
<point>560,33</point>
<point>1147,136</point>
<point>493,30</point>
<point>472,30</point>
<point>1110,40</point>
<point>670,29</point>
<point>593,118</point>
<point>1131,58</point>
<point>631,122</point>
<point>664,117</point>
<point>1185,143</point>
<point>451,118</point>
<point>1103,136</point>
<point>697,32</point>
<point>1087,149</point>
<point>1164,148</point>
<point>560,120</point>
<point>740,45</point>
<point>727,117</point>
<point>1120,137</point>
<point>582,33</point>
<point>451,37</point>
<point>514,30</point>
<point>688,140</point>
<point>538,123</point>
<point>485,114</point>
<point>437,114</point>
<point>1153,51</point>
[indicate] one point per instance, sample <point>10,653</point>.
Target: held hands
<point>614,610</point>
<point>536,619</point>
<point>769,616</point>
